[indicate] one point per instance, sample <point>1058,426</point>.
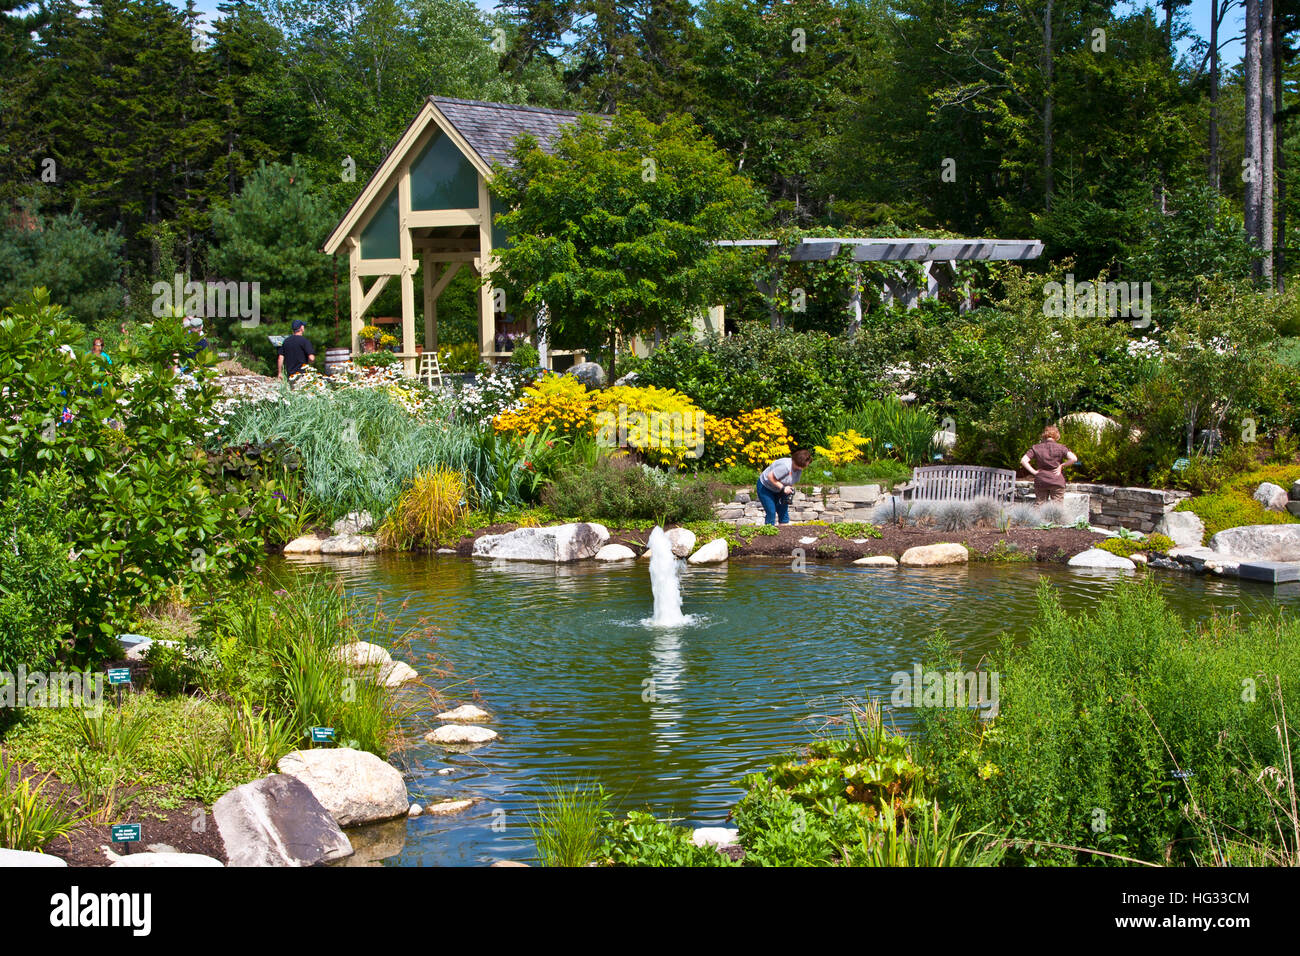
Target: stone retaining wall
<point>1114,506</point>
<point>826,503</point>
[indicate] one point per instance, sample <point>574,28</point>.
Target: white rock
<point>714,552</point>
<point>1184,528</point>
<point>398,673</point>
<point>350,544</point>
<point>465,712</point>
<point>682,540</point>
<point>460,734</point>
<point>1259,542</point>
<point>944,439</point>
<point>1095,422</point>
<point>934,555</point>
<point>615,552</point>
<point>560,543</point>
<point>807,540</point>
<point>353,785</point>
<point>715,836</point>
<point>878,561</point>
<point>136,860</point>
<point>448,806</point>
<point>415,810</point>
<point>362,654</point>
<point>446,770</point>
<point>1271,496</point>
<point>307,544</point>
<point>354,522</point>
<point>27,858</point>
<point>1097,558</point>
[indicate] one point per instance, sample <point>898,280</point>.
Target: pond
<point>580,688</point>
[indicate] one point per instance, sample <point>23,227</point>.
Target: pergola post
<point>355,295</point>
<point>486,317</point>
<point>409,265</point>
<point>430,305</point>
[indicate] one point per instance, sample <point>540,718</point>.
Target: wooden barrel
<point>336,357</point>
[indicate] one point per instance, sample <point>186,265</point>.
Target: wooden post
<point>408,266</point>
<point>430,306</point>
<point>486,318</point>
<point>354,290</point>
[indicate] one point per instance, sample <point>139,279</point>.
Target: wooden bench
<point>960,483</point>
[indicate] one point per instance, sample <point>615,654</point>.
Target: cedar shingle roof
<point>492,128</point>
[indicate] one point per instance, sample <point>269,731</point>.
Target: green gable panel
<point>381,238</point>
<point>442,178</point>
<point>499,238</point>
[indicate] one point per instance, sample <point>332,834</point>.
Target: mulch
<point>1055,545</point>
<point>187,829</point>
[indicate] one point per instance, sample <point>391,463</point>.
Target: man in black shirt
<point>296,352</point>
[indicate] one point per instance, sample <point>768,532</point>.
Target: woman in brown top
<point>1046,461</point>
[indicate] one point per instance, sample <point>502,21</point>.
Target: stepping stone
<point>463,713</point>
<point>1270,572</point>
<point>448,806</point>
<point>878,561</point>
<point>457,734</point>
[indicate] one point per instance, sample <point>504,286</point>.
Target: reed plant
<point>902,432</point>
<point>28,820</point>
<point>568,828</point>
<point>430,507</point>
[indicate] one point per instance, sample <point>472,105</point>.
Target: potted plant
<point>387,341</point>
<point>368,335</point>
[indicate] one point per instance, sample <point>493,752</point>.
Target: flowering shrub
<point>410,393</point>
<point>845,447</point>
<point>756,437</point>
<point>558,402</point>
<point>488,395</point>
<point>661,423</point>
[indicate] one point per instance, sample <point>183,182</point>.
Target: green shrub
<point>1127,547</point>
<point>1123,730</point>
<point>36,577</point>
<point>618,489</point>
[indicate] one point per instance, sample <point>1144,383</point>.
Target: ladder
<point>429,370</point>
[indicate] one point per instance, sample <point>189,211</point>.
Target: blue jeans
<point>775,505</point>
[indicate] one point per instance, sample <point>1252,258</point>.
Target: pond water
<point>580,688</point>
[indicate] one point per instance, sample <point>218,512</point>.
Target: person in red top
<point>1046,461</point>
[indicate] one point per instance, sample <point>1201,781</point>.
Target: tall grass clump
<point>896,430</point>
<point>1123,733</point>
<point>569,825</point>
<point>427,510</point>
<point>360,448</point>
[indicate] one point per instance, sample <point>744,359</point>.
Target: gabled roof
<point>484,132</point>
<point>492,128</point>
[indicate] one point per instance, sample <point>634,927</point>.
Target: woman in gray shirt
<point>776,485</point>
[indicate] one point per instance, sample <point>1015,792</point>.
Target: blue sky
<point>1198,16</point>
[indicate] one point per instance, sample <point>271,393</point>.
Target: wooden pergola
<point>427,210</point>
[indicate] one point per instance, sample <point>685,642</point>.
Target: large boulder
<point>682,540</point>
<point>465,712</point>
<point>307,544</point>
<point>363,654</point>
<point>1271,496</point>
<point>1095,422</point>
<point>1295,490</point>
<point>560,543</point>
<point>1097,558</point>
<point>354,522</point>
<point>1259,542</point>
<point>615,552</point>
<point>350,544</point>
<point>878,561</point>
<point>588,373</point>
<point>1184,528</point>
<point>715,552</point>
<point>277,821</point>
<point>353,785</point>
<point>934,555</point>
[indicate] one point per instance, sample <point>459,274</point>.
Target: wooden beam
<point>356,302</point>
<point>430,305</point>
<point>445,278</point>
<point>426,218</point>
<point>378,267</point>
<point>448,256</point>
<point>368,299</point>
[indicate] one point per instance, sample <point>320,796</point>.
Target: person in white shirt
<point>776,485</point>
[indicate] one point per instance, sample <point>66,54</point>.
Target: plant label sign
<point>125,832</point>
<point>119,675</point>
<point>1180,464</point>
<point>322,735</point>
